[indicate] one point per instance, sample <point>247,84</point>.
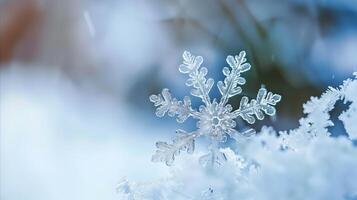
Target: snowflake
<point>216,119</point>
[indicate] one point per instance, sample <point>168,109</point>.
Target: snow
<point>302,163</point>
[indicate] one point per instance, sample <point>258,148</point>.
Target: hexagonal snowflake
<point>216,120</point>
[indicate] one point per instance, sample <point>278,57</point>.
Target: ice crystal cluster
<point>216,119</point>
<point>303,163</point>
<point>317,120</point>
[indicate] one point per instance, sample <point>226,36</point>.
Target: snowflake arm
<point>192,66</point>
<point>166,104</point>
<point>167,152</point>
<point>230,87</point>
<point>215,157</point>
<point>265,102</point>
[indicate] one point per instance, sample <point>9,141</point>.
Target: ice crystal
<point>317,121</point>
<point>216,119</point>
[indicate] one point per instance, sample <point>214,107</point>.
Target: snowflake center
<point>215,122</point>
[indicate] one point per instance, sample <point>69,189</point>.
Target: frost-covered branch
<point>230,87</point>
<point>265,102</point>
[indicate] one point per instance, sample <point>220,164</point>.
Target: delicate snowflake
<point>215,119</point>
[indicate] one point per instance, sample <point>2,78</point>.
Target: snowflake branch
<point>166,104</point>
<point>230,87</point>
<point>265,102</point>
<point>167,152</point>
<point>214,157</point>
<point>192,66</point>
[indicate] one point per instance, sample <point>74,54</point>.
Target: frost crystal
<point>317,121</point>
<point>216,119</point>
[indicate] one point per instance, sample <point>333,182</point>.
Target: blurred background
<point>75,76</point>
